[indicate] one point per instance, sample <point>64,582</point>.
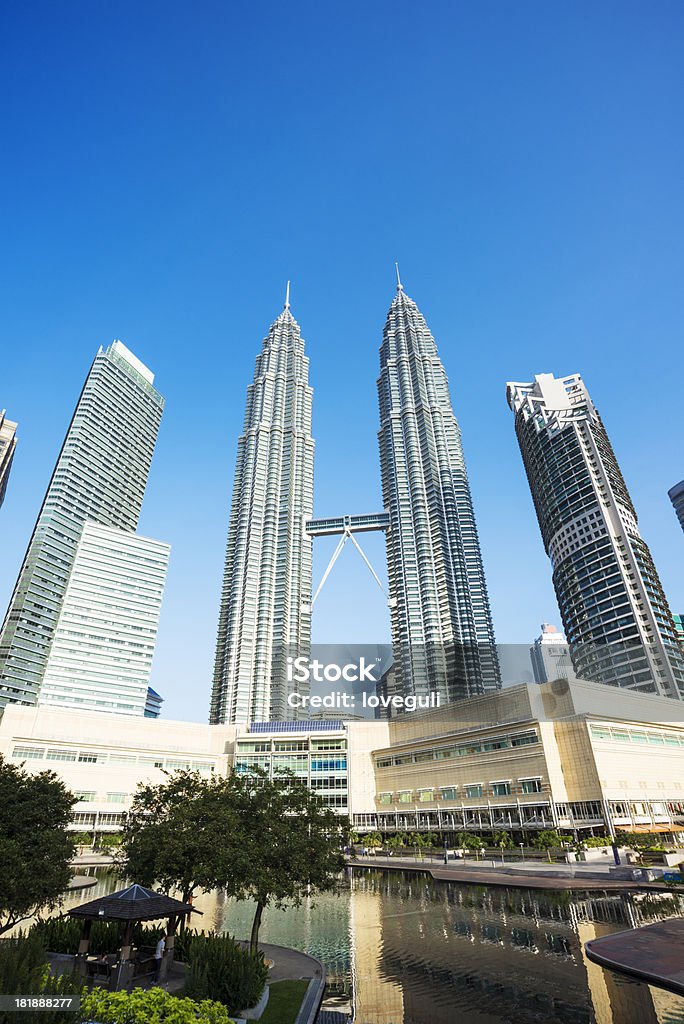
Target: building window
<point>405,796</point>
<point>448,792</point>
<point>31,753</point>
<point>531,785</point>
<point>501,789</point>
<point>473,792</point>
<point>425,795</point>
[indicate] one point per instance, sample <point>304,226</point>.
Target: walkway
<point>520,876</point>
<point>653,953</point>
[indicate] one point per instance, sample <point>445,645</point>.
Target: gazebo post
<point>124,971</point>
<point>83,946</point>
<point>167,959</point>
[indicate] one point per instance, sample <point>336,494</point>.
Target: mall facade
<point>576,756</point>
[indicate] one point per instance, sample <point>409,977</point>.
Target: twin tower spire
<point>442,634</point>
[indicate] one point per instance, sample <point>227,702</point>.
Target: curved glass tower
<point>442,629</point>
<point>615,614</point>
<point>265,611</point>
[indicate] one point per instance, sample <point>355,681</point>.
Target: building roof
<point>132,904</point>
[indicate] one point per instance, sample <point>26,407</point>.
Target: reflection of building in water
<point>377,998</point>
<point>615,999</point>
<point>490,955</point>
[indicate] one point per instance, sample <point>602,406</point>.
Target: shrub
<point>24,969</point>
<point>62,935</point>
<point>219,968</point>
<point>152,1007</point>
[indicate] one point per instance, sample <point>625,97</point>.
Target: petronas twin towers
<point>442,633</point>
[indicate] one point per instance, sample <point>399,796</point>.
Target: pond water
<point>400,948</point>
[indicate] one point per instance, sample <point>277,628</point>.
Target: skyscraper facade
<point>100,476</point>
<point>442,629</point>
<point>676,495</point>
<point>101,653</point>
<point>8,442</point>
<point>265,613</point>
<point>614,611</point>
<point>550,656</point>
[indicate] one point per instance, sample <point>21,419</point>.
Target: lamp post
<point>522,853</point>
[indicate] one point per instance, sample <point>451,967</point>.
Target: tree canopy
<point>293,841</point>
<point>35,847</point>
<point>183,834</point>
<point>272,841</point>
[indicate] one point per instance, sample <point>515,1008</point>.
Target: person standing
<point>158,957</point>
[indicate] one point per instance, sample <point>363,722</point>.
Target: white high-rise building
<point>265,613</point>
<point>550,656</point>
<point>100,476</point>
<point>104,640</point>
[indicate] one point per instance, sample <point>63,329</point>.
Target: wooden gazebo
<point>130,906</point>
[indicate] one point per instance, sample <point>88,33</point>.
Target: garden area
<point>271,842</point>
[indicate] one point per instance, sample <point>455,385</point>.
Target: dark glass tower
<point>676,495</point>
<point>442,629</point>
<point>100,476</point>
<point>615,614</point>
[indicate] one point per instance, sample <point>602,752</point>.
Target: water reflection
<point>404,949</point>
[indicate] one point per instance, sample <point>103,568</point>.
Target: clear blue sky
<point>168,166</point>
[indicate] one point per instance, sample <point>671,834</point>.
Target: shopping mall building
<point>571,755</point>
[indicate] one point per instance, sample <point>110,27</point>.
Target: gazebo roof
<point>133,904</point>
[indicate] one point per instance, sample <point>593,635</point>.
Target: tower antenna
<point>400,286</point>
<point>287,296</point>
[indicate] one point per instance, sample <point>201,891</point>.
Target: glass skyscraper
<point>615,614</point>
<point>265,613</point>
<point>8,442</point>
<point>101,653</point>
<point>442,630</point>
<point>100,476</point>
<point>676,495</point>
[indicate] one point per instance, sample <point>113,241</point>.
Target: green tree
<point>183,834</point>
<point>292,840</point>
<point>373,840</point>
<point>35,847</point>
<point>502,840</point>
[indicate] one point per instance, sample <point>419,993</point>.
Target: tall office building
<point>8,442</point>
<point>442,629</point>
<point>550,656</point>
<point>101,653</point>
<point>615,615</point>
<point>100,476</point>
<point>676,495</point>
<point>679,627</point>
<point>265,613</point>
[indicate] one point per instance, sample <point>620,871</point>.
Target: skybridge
<point>345,527</point>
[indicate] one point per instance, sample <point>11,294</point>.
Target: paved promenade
<point>517,875</point>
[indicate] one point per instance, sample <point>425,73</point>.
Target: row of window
<point>31,753</point>
<point>472,791</point>
<point>266,746</point>
<point>622,734</point>
<point>89,796</point>
<point>485,746</point>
